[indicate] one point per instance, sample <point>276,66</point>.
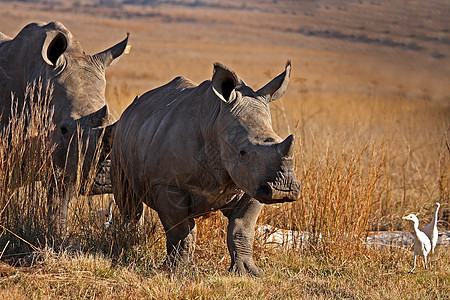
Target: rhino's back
<point>162,97</point>
<point>174,102</point>
<point>156,135</point>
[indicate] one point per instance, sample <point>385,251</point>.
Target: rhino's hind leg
<point>240,234</point>
<point>172,205</point>
<point>130,206</point>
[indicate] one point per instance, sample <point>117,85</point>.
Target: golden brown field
<point>369,102</point>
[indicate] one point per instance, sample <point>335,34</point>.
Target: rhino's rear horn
<point>286,147</point>
<point>94,119</point>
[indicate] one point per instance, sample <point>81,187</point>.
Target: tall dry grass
<point>357,175</point>
<point>26,171</point>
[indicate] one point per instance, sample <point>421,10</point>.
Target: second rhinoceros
<point>187,150</point>
<point>50,54</point>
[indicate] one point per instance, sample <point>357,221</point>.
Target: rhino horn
<point>54,46</point>
<point>94,119</point>
<point>107,57</point>
<point>286,147</point>
<point>224,82</point>
<point>276,88</point>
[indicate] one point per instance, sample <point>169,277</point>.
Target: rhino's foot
<point>172,265</point>
<point>245,267</point>
<point>167,266</point>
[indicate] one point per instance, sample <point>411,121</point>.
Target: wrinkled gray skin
<point>49,52</point>
<point>187,150</point>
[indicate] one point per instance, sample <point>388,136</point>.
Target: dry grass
<point>372,127</point>
<point>25,158</point>
<point>377,274</point>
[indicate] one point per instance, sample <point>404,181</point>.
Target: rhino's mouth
<point>271,192</point>
<point>102,181</point>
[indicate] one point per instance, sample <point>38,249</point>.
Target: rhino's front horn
<point>94,119</point>
<point>286,147</point>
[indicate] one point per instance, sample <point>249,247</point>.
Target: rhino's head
<point>79,83</point>
<point>256,158</point>
<point>78,78</point>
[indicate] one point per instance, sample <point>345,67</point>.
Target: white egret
<point>431,229</point>
<point>422,244</point>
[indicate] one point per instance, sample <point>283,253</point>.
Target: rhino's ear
<point>55,45</point>
<point>276,88</point>
<point>111,55</point>
<point>224,81</point>
<point>94,119</point>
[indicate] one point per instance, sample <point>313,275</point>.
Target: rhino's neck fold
<point>209,111</point>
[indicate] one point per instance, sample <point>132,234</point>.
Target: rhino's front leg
<point>172,205</point>
<point>180,243</point>
<point>241,231</point>
<point>58,208</point>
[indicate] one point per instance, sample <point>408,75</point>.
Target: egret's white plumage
<point>422,244</point>
<point>431,229</point>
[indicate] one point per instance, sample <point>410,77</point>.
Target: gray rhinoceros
<point>187,150</point>
<point>49,53</point>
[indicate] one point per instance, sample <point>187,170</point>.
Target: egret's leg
<point>425,259</point>
<point>431,258</point>
<point>415,259</point>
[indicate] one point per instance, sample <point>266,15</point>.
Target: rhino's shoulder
<point>181,83</point>
<point>161,99</point>
<point>168,90</point>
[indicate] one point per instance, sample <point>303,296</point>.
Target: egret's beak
<point>405,218</point>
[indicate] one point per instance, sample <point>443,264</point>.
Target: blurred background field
<point>369,103</point>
